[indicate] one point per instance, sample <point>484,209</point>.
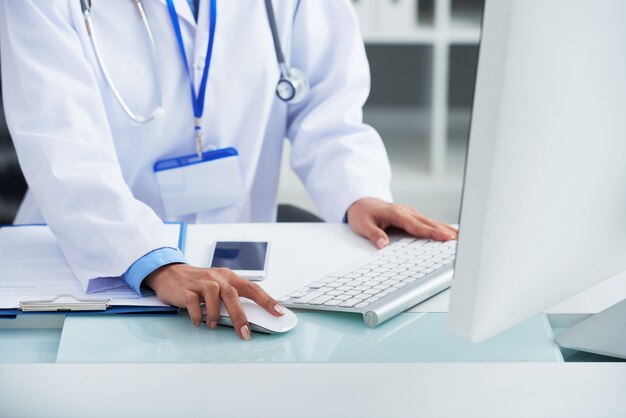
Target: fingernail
<point>381,242</point>
<point>279,309</point>
<point>213,325</point>
<point>245,332</point>
<point>452,236</point>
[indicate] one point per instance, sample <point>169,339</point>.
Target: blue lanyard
<point>197,99</point>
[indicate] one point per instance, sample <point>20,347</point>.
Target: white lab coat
<point>89,166</point>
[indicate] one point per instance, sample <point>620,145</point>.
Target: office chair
<point>290,213</point>
<point>12,183</point>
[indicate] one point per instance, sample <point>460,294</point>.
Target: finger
<point>375,234</point>
<point>453,232</point>
<point>449,228</point>
<point>415,227</point>
<point>254,292</point>
<point>438,224</point>
<point>192,303</point>
<point>233,305</point>
<point>211,295</point>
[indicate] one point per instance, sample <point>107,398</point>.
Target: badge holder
<point>193,183</point>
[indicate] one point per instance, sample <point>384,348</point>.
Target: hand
<point>186,286</point>
<point>370,217</point>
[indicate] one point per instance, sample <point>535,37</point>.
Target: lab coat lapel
<point>183,11</point>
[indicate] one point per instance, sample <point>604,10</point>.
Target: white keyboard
<point>383,284</point>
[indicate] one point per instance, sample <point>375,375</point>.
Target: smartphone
<point>246,258</point>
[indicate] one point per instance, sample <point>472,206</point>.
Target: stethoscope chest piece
<point>293,87</point>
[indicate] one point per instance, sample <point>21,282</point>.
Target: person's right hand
<point>186,286</point>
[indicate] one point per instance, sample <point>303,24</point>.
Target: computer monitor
<point>543,213</point>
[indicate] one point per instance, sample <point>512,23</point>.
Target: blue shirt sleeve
<point>141,268</point>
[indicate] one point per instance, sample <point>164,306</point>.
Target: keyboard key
<point>381,286</point>
<point>317,285</point>
<point>344,288</point>
<point>372,299</point>
<point>320,300</point>
<point>361,288</point>
<point>350,303</point>
<point>371,291</point>
<point>361,296</point>
<point>404,241</point>
<point>342,297</point>
<point>309,297</point>
<point>333,302</point>
<point>361,305</point>
<point>352,292</point>
<point>334,292</point>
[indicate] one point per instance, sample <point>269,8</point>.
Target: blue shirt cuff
<point>141,268</point>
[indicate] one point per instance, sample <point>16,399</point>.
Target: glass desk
<point>318,338</point>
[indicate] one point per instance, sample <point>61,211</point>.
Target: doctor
<point>126,113</point>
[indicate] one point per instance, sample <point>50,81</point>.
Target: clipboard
<point>35,298</point>
<point>61,304</point>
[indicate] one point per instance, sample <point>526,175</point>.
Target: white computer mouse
<point>259,319</point>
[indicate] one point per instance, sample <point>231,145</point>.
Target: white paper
<point>32,267</point>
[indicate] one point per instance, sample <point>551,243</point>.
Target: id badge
<point>191,184</point>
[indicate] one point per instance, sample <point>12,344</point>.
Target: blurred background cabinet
<point>423,56</point>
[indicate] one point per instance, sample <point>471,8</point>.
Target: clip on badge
<point>192,183</point>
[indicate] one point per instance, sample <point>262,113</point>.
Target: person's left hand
<point>370,217</point>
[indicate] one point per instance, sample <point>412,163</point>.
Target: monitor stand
<point>604,333</point>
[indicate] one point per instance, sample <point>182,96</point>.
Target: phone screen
<point>237,255</point>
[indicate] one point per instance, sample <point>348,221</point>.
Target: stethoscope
<point>292,88</point>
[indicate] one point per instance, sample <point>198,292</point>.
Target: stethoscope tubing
<point>156,63</point>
